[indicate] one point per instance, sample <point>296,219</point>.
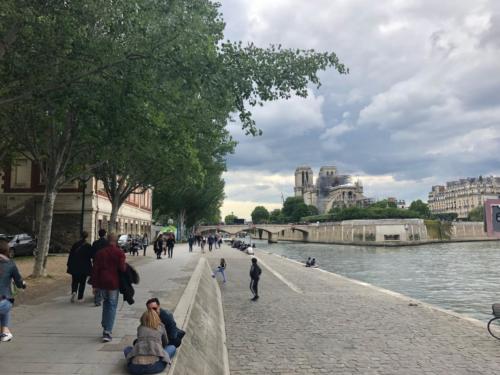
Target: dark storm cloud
<point>421,103</point>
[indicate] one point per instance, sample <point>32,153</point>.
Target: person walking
<point>79,266</point>
<point>203,242</point>
<point>158,246</point>
<point>210,242</point>
<point>8,273</point>
<point>109,262</point>
<point>255,272</point>
<point>97,245</point>
<point>152,352</point>
<point>145,243</point>
<point>221,269</point>
<point>170,245</point>
<point>191,242</point>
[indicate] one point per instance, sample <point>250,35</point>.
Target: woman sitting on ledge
<point>151,353</point>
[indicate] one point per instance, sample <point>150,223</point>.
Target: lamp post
<point>83,183</point>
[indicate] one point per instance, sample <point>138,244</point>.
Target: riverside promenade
<point>57,337</point>
<point>308,321</point>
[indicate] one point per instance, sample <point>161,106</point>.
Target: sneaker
<point>97,304</point>
<point>73,296</point>
<point>6,337</point>
<point>106,337</point>
<point>213,274</point>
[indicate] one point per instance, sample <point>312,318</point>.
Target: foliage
<point>384,203</point>
<point>275,217</point>
<point>73,71</point>
<point>230,219</point>
<point>294,209</point>
<point>420,207</point>
<point>448,216</point>
<point>260,215</point>
<point>476,214</point>
<point>357,213</point>
<point>313,210</point>
<point>438,230</point>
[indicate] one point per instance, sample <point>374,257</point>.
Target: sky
<point>420,106</point>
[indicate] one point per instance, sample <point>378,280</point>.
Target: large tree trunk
<point>44,232</point>
<point>115,207</point>
<point>182,221</point>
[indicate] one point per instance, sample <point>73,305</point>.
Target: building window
<point>21,174</point>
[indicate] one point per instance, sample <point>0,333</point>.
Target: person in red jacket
<point>108,263</point>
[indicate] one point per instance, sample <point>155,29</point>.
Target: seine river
<point>463,277</point>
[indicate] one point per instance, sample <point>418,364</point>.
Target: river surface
<point>463,277</point>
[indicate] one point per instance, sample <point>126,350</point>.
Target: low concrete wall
<point>200,314</point>
<point>386,232</point>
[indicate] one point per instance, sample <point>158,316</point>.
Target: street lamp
<point>83,179</point>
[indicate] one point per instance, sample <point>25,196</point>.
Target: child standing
<point>221,268</point>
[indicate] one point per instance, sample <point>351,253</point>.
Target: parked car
<point>124,242</point>
<point>21,244</point>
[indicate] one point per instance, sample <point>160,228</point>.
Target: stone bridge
<point>270,229</point>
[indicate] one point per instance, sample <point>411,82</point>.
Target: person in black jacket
<point>158,246</point>
<point>79,266</point>
<point>97,245</point>
<point>255,272</point>
<point>174,333</point>
<point>170,245</point>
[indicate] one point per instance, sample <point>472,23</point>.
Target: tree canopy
<point>138,93</point>
<point>260,215</point>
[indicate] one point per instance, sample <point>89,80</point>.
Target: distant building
<point>400,203</point>
<point>330,189</point>
<point>21,192</point>
<point>463,195</point>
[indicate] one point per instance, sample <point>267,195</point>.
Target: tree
<point>313,210</point>
<point>167,59</point>
<point>260,215</point>
<point>275,217</point>
<point>230,219</point>
<point>294,209</point>
<point>421,208</point>
<point>49,70</point>
<point>476,214</point>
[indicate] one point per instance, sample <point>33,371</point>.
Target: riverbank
<point>308,321</point>
<point>383,232</point>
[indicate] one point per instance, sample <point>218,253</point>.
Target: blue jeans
<point>5,307</point>
<point>154,368</point>
<point>110,301</point>
<point>221,270</point>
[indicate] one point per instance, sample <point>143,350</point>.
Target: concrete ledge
<point>200,313</point>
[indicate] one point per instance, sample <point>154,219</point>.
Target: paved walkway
<point>57,337</point>
<point>308,321</point>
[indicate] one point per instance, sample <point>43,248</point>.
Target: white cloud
<point>422,96</point>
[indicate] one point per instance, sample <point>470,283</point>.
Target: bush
<point>438,230</point>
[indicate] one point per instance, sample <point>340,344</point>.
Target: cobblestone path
<point>330,325</point>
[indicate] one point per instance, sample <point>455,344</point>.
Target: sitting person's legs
<point>155,368</point>
<point>171,349</point>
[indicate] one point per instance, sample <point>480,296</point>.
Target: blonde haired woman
<point>151,353</point>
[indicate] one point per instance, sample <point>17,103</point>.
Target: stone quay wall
<point>385,232</point>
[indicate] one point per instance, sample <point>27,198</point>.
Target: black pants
<point>78,284</point>
<point>144,247</point>
<point>170,251</point>
<point>210,246</point>
<point>254,287</point>
<point>190,247</point>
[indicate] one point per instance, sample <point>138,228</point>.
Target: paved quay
<point>57,337</point>
<point>308,321</point>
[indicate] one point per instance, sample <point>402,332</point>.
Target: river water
<point>463,277</point>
